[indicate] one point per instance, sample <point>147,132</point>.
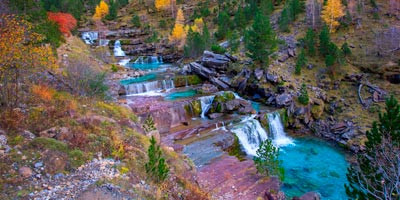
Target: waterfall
<point>90,37</point>
<point>118,52</point>
<point>206,102</point>
<point>151,86</point>
<point>149,60</point>
<point>124,62</point>
<point>251,134</point>
<point>277,131</point>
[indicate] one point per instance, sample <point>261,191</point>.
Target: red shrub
<point>65,21</point>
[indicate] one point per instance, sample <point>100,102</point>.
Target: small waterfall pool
<point>147,63</point>
<point>310,164</point>
<point>181,94</point>
<point>140,79</point>
<point>314,165</point>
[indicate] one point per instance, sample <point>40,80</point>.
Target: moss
<point>181,81</point>
<point>16,140</point>
<point>116,111</point>
<point>235,149</point>
<point>77,158</point>
<point>317,111</point>
<point>229,96</point>
<point>49,143</point>
<point>284,116</point>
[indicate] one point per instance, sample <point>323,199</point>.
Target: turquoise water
<point>256,106</point>
<point>144,66</point>
<point>181,94</point>
<point>147,77</point>
<point>314,165</point>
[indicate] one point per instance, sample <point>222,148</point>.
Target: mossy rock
<point>285,118</point>
<point>236,150</point>
<point>317,111</point>
<point>181,81</point>
<point>193,108</point>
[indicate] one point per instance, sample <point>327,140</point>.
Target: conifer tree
<point>376,173</point>
<point>240,19</point>
<point>345,49</point>
<point>156,167</point>
<point>223,25</point>
<point>267,160</point>
<point>332,11</point>
<point>112,14</point>
<point>206,37</point>
<point>303,98</point>
<point>324,41</point>
<point>195,45</point>
<point>260,39</point>
<point>301,62</point>
<point>309,42</point>
<point>266,7</point>
<point>284,21</point>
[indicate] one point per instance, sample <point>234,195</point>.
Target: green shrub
<point>301,62</point>
<point>162,24</point>
<point>49,143</point>
<point>76,158</point>
<point>114,68</point>
<point>149,125</point>
<point>303,98</point>
<point>218,49</point>
<point>156,167</point>
<point>136,21</point>
<point>267,162</point>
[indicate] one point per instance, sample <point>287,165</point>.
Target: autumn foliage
<point>178,33</point>
<point>66,22</point>
<point>333,10</point>
<point>162,4</point>
<point>101,10</point>
<point>43,92</point>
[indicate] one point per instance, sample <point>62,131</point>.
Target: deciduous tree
<point>162,4</point>
<point>333,10</point>
<point>178,33</point>
<point>66,22</point>
<point>101,10</point>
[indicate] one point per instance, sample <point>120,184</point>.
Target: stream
<point>310,164</point>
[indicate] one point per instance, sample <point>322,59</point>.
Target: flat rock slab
<point>228,178</point>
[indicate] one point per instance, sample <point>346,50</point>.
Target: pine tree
<point>240,19</point>
<point>284,21</point>
<point>345,49</point>
<point>260,39</point>
<point>295,8</point>
<point>376,173</point>
<point>332,11</point>
<point>223,25</point>
<point>301,62</point>
<point>309,42</point>
<point>266,7</point>
<point>206,37</point>
<point>303,98</point>
<point>112,14</point>
<point>156,167</point>
<point>195,45</point>
<point>149,125</point>
<point>324,41</point>
<point>267,162</point>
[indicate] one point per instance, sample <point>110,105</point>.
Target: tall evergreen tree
<point>156,167</point>
<point>223,25</point>
<point>113,8</point>
<point>240,19</point>
<point>284,21</point>
<point>376,173</point>
<point>324,41</point>
<point>260,39</point>
<point>309,42</point>
<point>194,46</point>
<point>266,7</point>
<point>301,62</point>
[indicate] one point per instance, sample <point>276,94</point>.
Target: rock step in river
<point>310,165</point>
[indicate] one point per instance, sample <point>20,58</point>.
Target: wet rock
<point>25,172</point>
<point>283,100</point>
<point>209,88</point>
<point>215,115</point>
<point>122,91</point>
<point>310,196</point>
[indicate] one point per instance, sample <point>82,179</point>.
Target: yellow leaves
<point>333,10</point>
<point>43,92</point>
<point>162,4</point>
<point>178,33</point>
<point>198,25</point>
<point>101,10</point>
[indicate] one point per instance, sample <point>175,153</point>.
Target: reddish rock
<point>25,172</point>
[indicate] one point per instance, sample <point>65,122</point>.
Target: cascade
<point>151,86</point>
<point>124,62</point>
<point>251,134</point>
<point>90,37</point>
<point>206,102</point>
<point>118,52</point>
<point>277,131</point>
<point>149,60</point>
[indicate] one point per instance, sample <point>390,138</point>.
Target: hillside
<point>166,99</point>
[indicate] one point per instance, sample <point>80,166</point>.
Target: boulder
<point>258,73</point>
<point>283,100</point>
<point>231,57</point>
<point>55,161</point>
<point>216,61</point>
<point>25,172</point>
<point>122,91</point>
<point>215,115</point>
<point>219,83</point>
<point>209,88</point>
<point>272,78</point>
<point>201,70</point>
<point>232,105</point>
<point>28,135</point>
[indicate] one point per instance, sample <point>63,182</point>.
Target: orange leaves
<point>162,4</point>
<point>43,92</point>
<point>101,10</point>
<point>65,21</point>
<point>178,33</point>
